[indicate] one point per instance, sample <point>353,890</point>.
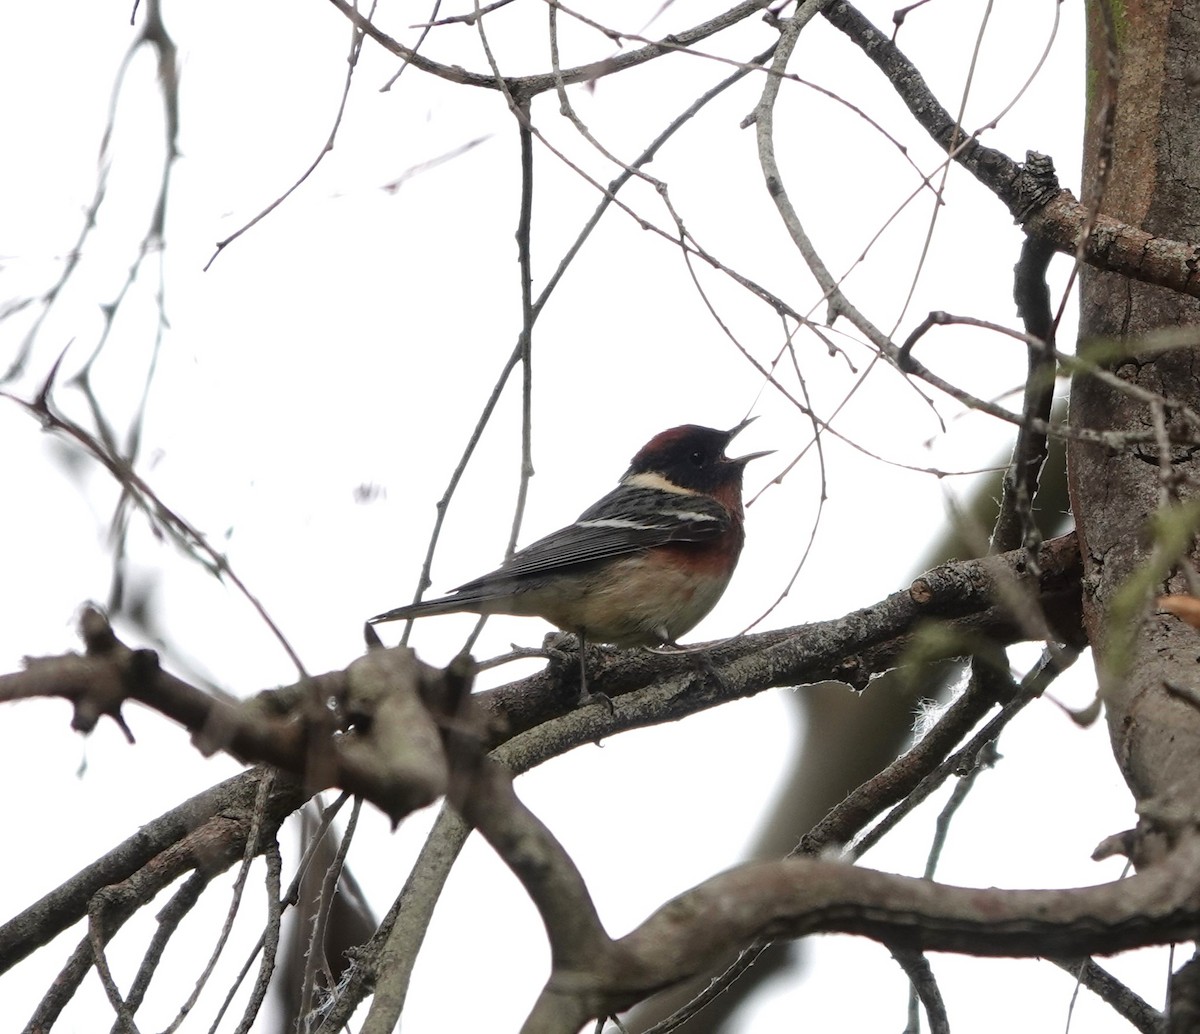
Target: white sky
<point>350,339</point>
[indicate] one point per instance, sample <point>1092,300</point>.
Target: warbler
<point>641,566</point>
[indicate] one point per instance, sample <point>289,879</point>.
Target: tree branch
<point>67,904</point>
<point>1032,195</point>
<point>280,725</point>
<point>524,87</point>
<point>797,897</point>
<point>394,703</point>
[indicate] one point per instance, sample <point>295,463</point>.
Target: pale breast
<point>640,600</point>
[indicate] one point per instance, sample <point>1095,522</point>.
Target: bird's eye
<point>697,458</point>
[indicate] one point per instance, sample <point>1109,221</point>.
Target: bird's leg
<point>583,690</point>
<point>584,696</point>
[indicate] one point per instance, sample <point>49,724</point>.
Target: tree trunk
<point>1153,181</point>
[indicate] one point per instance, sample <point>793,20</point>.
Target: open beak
<point>730,435</point>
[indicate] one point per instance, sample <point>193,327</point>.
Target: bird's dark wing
<point>626,520</point>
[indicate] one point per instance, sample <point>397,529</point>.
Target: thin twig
<point>1124,1001</point>
<point>941,187</point>
<point>252,849</point>
<point>924,990</point>
<point>159,514</point>
<point>425,31</point>
<point>1014,523</point>
<point>168,918</point>
<point>268,940</point>
<point>269,944</point>
<point>1049,667</point>
<point>316,964</point>
<point>356,42</point>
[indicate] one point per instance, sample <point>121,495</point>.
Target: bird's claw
<point>597,698</point>
<point>560,647</point>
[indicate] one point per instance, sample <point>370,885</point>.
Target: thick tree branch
<point>539,862</point>
<point>207,835</point>
<point>394,703</point>
<point>797,897</point>
<point>67,904</point>
<point>279,725</point>
<point>389,699</point>
<point>965,598</point>
<point>594,976</point>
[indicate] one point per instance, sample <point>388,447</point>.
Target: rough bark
<point>1152,181</point>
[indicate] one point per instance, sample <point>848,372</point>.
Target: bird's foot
<point>563,648</point>
<point>586,698</point>
<point>559,648</point>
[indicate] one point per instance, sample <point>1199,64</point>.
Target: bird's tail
<point>445,605</point>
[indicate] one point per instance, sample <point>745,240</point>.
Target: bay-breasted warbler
<point>641,566</point>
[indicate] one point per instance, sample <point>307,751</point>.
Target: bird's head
<point>691,458</point>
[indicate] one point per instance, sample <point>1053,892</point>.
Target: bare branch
<point>797,897</point>
<point>1125,1002</point>
<point>356,39</point>
<point>925,990</point>
<point>225,816</point>
<point>1036,202</point>
<point>524,87</point>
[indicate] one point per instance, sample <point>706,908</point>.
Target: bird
<point>639,567</point>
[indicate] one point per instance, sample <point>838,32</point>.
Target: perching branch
<point>372,695</point>
<point>391,700</point>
